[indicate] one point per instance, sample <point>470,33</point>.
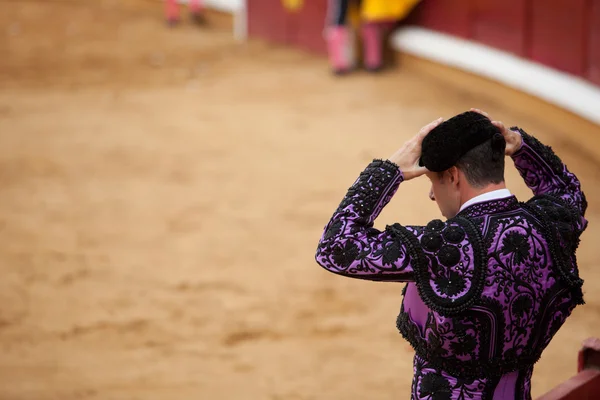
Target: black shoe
<point>198,18</point>
<point>342,71</point>
<point>375,70</point>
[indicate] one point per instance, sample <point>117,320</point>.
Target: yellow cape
<point>382,10</point>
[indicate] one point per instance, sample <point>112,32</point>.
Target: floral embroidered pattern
<point>351,246</point>
<point>435,387</point>
<point>334,229</point>
<point>345,255</point>
<point>431,383</point>
<point>465,345</point>
<point>521,306</point>
<point>451,285</point>
<point>516,244</point>
<point>545,173</point>
<point>455,272</point>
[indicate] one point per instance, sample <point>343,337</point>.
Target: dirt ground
<point>163,192</point>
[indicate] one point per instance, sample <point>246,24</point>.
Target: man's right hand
<point>407,158</point>
<point>513,139</point>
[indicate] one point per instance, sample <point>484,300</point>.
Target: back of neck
<point>472,192</point>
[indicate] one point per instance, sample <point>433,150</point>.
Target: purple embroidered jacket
<point>487,290</point>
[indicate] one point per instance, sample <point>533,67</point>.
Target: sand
<point>163,192</point>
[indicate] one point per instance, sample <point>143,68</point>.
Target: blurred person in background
<point>489,287</point>
<point>376,18</point>
<point>172,11</point>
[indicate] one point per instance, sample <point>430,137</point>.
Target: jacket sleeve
<point>351,247</point>
<point>546,175</point>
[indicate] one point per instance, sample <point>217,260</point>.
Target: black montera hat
<point>444,146</point>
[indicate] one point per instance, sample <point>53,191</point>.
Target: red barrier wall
<point>310,22</point>
<point>558,34</point>
<point>562,34</point>
<point>501,24</point>
<point>448,16</point>
<point>594,44</point>
<point>585,385</point>
<point>267,19</point>
<point>270,20</point>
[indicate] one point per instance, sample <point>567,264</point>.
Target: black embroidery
<point>433,351</point>
<point>499,279</point>
<point>531,169</point>
<point>568,275</point>
<point>435,225</point>
<point>334,229</point>
<point>450,305</point>
<point>470,333</point>
<point>435,387</point>
<point>454,234</point>
<point>553,298</point>
<point>562,216</point>
<point>465,345</point>
<point>545,151</point>
<point>516,244</point>
<point>432,241</point>
<point>522,305</point>
<point>490,207</point>
<point>429,381</point>
<point>345,256</point>
<point>452,285</point>
<point>449,256</point>
<point>369,188</point>
<point>391,250</point>
<point>436,347</point>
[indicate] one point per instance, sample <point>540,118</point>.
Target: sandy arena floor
<point>163,192</point>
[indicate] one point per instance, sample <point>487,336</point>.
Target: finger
<point>477,110</point>
<point>419,171</point>
<point>499,125</point>
<point>429,127</point>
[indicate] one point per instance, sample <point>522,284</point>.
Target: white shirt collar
<point>493,195</point>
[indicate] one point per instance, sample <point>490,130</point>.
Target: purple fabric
<point>487,290</point>
<point>505,390</point>
<point>414,306</point>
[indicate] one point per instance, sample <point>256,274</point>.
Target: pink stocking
<point>172,10</point>
<point>196,6</point>
<point>339,46</point>
<point>373,48</point>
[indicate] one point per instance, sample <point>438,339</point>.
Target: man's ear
<point>454,175</point>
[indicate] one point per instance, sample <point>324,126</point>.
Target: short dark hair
<point>484,164</point>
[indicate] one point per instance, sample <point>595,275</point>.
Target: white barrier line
<point>566,91</point>
<point>237,8</point>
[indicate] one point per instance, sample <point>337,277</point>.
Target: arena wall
<point>550,49</point>
<point>226,5</point>
<point>237,9</point>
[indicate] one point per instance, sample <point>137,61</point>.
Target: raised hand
<point>513,139</point>
<point>407,157</point>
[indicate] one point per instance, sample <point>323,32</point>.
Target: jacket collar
<point>493,206</point>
